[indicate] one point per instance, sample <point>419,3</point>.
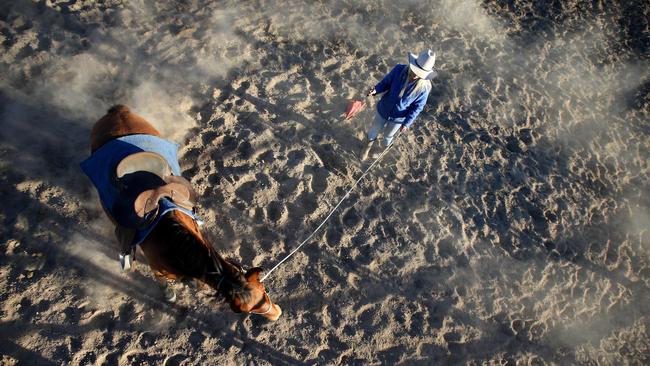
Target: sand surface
<point>509,226</point>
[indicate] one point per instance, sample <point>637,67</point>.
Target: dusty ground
<point>509,226</point>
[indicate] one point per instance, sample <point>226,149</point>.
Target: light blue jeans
<point>387,128</point>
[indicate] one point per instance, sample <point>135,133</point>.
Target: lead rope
<point>335,207</point>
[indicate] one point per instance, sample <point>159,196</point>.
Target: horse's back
<point>119,121</point>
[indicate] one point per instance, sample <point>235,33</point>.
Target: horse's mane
<point>189,256</point>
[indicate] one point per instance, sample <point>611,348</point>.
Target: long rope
<point>335,207</point>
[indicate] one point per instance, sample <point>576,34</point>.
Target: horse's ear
<point>253,274</point>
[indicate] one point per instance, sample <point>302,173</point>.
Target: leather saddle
<point>144,178</point>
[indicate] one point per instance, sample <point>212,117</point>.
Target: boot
<point>366,150</point>
<point>382,150</point>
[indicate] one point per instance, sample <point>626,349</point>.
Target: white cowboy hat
<point>422,66</point>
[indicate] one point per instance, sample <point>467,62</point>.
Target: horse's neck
<point>219,272</point>
<point>212,268</point>
<point>222,275</point>
<point>196,258</point>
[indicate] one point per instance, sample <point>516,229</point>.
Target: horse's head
<point>252,298</point>
<point>176,249</point>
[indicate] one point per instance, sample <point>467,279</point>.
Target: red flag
<point>354,107</point>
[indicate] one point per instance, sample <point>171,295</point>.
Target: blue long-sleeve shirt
<point>404,109</point>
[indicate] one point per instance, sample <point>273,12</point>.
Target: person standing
<point>406,89</point>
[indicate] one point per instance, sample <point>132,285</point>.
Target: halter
<point>221,273</point>
<point>270,306</point>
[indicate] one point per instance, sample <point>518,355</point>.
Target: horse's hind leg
<point>167,291</point>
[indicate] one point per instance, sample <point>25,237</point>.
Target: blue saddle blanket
<point>100,168</point>
<point>165,206</point>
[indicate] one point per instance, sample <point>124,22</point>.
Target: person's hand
<point>404,128</point>
<point>371,92</point>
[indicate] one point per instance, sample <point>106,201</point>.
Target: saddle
<point>143,179</point>
<point>143,161</point>
<point>131,173</point>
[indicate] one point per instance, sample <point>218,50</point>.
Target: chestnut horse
<point>175,247</point>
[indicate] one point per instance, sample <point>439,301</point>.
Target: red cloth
<point>354,107</point>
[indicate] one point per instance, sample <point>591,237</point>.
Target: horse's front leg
<point>167,290</point>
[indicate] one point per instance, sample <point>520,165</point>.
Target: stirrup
<point>126,260</point>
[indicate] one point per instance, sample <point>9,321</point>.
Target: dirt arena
<point>509,226</point>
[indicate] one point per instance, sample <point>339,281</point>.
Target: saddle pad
<point>100,168</point>
<point>165,206</point>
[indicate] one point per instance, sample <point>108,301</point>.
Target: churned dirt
<point>508,226</point>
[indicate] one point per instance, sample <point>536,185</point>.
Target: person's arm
<point>415,108</point>
<point>385,83</point>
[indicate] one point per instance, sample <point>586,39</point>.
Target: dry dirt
<point>508,226</point>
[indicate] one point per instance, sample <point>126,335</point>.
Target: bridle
<point>221,274</point>
<point>268,309</point>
